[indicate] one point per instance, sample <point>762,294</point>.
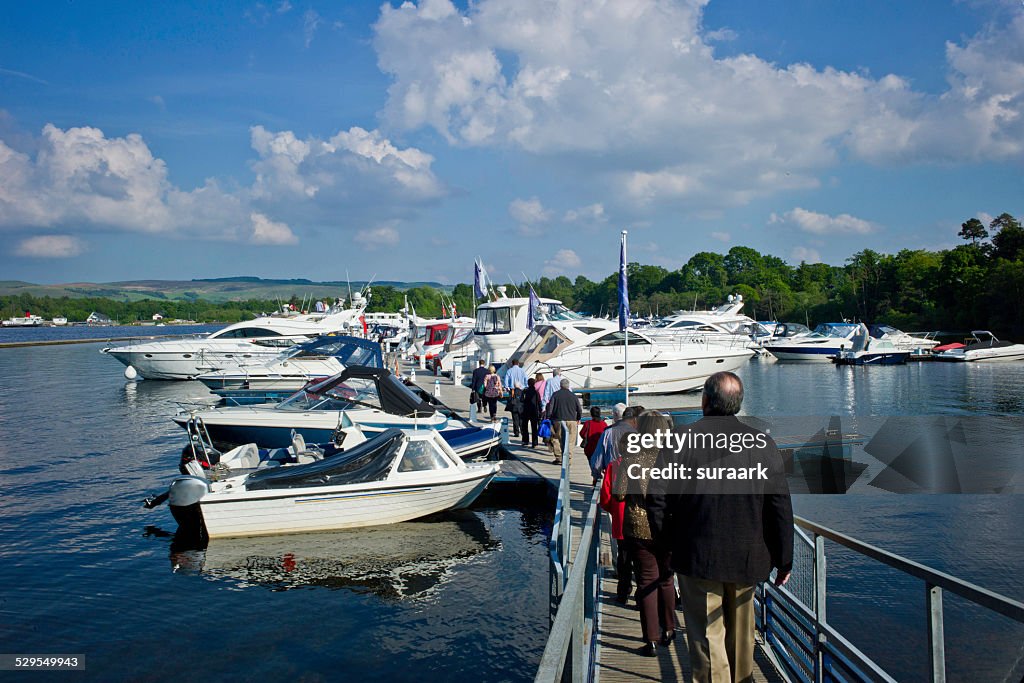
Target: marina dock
<point>617,645</point>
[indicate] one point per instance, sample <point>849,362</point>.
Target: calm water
<point>86,569</point>
<point>18,334</point>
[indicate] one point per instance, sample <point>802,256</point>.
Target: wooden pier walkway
<point>618,637</point>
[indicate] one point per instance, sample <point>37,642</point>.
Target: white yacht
<point>723,325</point>
<point>459,345</point>
<point>827,340</point>
<point>904,340</point>
<point>251,341</point>
<point>983,346</point>
<point>591,354</point>
<point>501,324</point>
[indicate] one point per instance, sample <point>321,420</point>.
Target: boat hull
<point>183,362</point>
<point>889,358</point>
<point>814,354</point>
<point>262,513</point>
<point>657,375</point>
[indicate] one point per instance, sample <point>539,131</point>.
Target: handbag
<point>544,431</point>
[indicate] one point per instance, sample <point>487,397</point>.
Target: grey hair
<point>555,372</point>
<point>723,394</point>
<point>564,384</point>
<point>652,422</point>
<point>617,410</point>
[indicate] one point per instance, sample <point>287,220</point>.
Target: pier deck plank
<point>619,632</point>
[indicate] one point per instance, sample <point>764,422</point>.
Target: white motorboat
<point>723,325</point>
<point>298,365</point>
<point>392,477</point>
<point>867,350</point>
<point>827,340</point>
<point>390,330</point>
<point>459,346</point>
<point>983,346</point>
<point>27,320</point>
<point>60,321</point>
<point>904,340</point>
<point>591,354</point>
<point>372,398</point>
<point>501,325</point>
<point>258,340</point>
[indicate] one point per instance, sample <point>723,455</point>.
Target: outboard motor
<point>183,497</point>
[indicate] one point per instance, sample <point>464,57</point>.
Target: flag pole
<point>624,311</point>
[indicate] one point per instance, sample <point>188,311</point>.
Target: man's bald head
<point>723,394</point>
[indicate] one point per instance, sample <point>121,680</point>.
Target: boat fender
<point>185,491</point>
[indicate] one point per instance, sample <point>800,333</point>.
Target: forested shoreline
<point>977,284</point>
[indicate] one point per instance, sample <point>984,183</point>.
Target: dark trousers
<point>655,592</point>
<point>492,405</point>
<point>517,421</point>
<point>623,570</point>
<point>529,424</point>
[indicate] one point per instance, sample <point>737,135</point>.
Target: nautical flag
<point>623,287</point>
<point>479,280</point>
<point>533,312</point>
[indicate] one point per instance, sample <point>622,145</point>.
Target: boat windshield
<point>839,330</point>
<point>542,343</point>
<point>353,392</point>
<point>560,312</point>
<point>436,334</point>
<point>791,330</point>
<point>494,320</point>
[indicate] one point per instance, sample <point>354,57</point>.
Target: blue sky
<point>307,139</point>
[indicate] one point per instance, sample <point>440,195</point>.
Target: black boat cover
<point>395,398</point>
<point>369,461</point>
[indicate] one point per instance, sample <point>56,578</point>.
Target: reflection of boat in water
<point>396,561</point>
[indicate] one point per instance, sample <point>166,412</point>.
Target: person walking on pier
<point>515,382</point>
<point>553,384</point>
<point>616,509</point>
<point>726,535</point>
<point>591,431</point>
<point>530,415</point>
<point>476,385</point>
<point>564,406</point>
<point>655,590</point>
<point>608,446</point>
<point>492,391</point>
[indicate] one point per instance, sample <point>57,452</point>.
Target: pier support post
<point>819,608</point>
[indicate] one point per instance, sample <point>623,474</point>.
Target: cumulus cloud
<point>50,246</point>
<point>374,238</point>
<point>804,254</point>
<point>79,179</point>
<point>721,236</point>
<point>593,214</point>
<point>529,214</point>
<point>266,231</point>
<point>639,85</point>
<point>823,224</point>
<point>564,262</point>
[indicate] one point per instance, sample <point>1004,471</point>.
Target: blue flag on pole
<point>623,286</point>
<point>479,280</point>
<point>533,312</point>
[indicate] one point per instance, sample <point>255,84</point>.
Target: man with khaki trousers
<point>726,533</point>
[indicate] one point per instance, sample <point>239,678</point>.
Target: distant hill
<point>211,289</point>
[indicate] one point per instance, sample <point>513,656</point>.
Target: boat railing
<point>570,652</point>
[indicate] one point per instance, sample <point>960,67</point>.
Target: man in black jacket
<point>564,406</point>
<point>477,383</point>
<point>727,517</point>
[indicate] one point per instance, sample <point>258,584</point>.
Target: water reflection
<point>395,562</point>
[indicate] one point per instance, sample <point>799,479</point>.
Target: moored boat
<point>983,346</point>
<point>868,350</point>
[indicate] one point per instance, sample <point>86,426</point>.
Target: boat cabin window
<point>436,334</point>
<point>494,320</point>
<point>559,312</point>
<point>420,456</point>
<point>542,343</point>
<point>352,393</point>
<point>458,335</point>
<point>618,338</point>
<point>246,333</point>
<point>841,330</point>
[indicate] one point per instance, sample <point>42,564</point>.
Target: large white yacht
<point>252,341</point>
<point>722,325</point>
<point>591,354</point>
<point>501,325</point>
<point>827,340</point>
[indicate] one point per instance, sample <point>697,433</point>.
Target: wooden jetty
<point>618,640</point>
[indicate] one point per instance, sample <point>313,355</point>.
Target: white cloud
<point>374,238</point>
<point>805,254</point>
<point>310,23</point>
<point>530,214</point>
<point>564,262</point>
<point>592,214</point>
<point>721,236</point>
<point>266,231</point>
<point>638,85</point>
<point>823,224</point>
<point>82,181</point>
<point>50,246</point>
<point>283,7</point>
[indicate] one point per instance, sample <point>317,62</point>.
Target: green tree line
<point>977,284</point>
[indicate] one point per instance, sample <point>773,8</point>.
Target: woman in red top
<point>617,509</point>
<point>591,432</point>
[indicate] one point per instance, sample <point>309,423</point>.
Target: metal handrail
<point>560,544</point>
<point>573,625</point>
